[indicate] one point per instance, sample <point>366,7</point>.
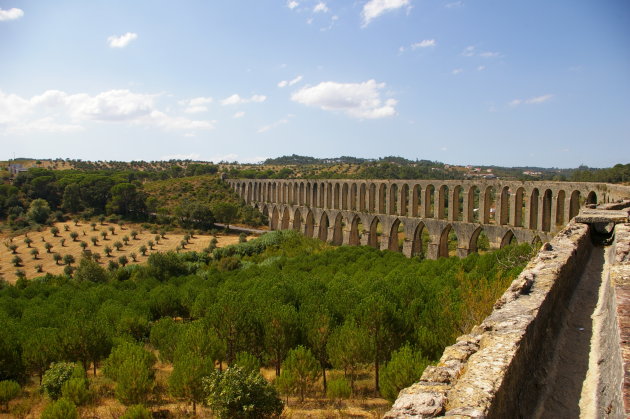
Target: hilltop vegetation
<point>280,301</point>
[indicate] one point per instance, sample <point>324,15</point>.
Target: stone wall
<point>500,369</point>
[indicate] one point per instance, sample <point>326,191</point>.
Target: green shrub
<point>247,362</point>
<point>137,411</point>
<point>132,369</point>
<point>76,390</point>
<point>9,390</point>
<point>236,393</point>
<point>55,377</point>
<point>338,388</point>
<point>404,369</point>
<point>61,409</point>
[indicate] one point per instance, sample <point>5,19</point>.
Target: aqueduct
<point>394,214</point>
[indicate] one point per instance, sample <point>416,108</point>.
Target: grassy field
<point>85,233</point>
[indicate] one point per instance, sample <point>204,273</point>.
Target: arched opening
<point>404,200</point>
<point>443,205</point>
<point>421,240</point>
<point>574,204</point>
<point>321,195</point>
<point>285,219</point>
<point>344,197</point>
<point>560,200</point>
<point>591,198</point>
<point>448,242</point>
<point>274,218</point>
<point>533,210</point>
<point>313,198</point>
<point>337,238</point>
<point>546,219</point>
<point>356,231</point>
<point>396,236</point>
<point>393,198</point>
<point>489,206</point>
<point>297,220</point>
<point>274,192</point>
<point>519,205</point>
<point>336,196</point>
<point>457,204</point>
<point>508,238</point>
<point>323,228</point>
<point>329,194</point>
<point>308,194</point>
<point>504,211</point>
<point>473,204</point>
<point>290,193</point>
<point>429,201</point>
<point>536,243</point>
<point>362,197</point>
<point>372,198</point>
<point>309,224</point>
<point>301,196</point>
<point>416,194</point>
<point>376,230</point>
<point>382,198</point>
<point>285,193</point>
<point>479,241</point>
<point>265,212</point>
<point>353,197</point>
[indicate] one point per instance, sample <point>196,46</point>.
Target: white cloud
<point>122,40</point>
<point>235,99</point>
<point>454,5</point>
<point>239,114</point>
<point>196,105</point>
<point>374,8</point>
<point>285,83</point>
<point>531,101</point>
<point>11,14</point>
<point>358,100</point>
<point>481,68</point>
<point>292,4</point>
<point>57,111</point>
<point>320,8</point>
<point>424,44</point>
<point>469,51</point>
<point>272,126</point>
<point>457,71</point>
<point>489,54</point>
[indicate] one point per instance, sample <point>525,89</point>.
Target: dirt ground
<point>85,231</point>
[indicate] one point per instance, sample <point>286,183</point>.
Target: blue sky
<point>539,83</point>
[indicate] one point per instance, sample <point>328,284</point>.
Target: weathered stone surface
<point>419,402</point>
<point>591,216</point>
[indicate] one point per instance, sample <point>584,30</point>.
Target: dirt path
<point>569,371</point>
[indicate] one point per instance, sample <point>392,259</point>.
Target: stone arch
<point>457,203</point>
<point>429,201</point>
<point>443,248</point>
<point>309,224</point>
<point>301,196</point>
<point>508,238</point>
<point>264,210</point>
<point>489,208</point>
<point>373,238</point>
<point>337,237</point>
<point>404,200</point>
<point>574,204</point>
<point>308,194</point>
<point>479,240</point>
<point>329,190</point>
<point>372,198</point>
<point>321,194</point>
<point>395,236</point>
<point>393,204</point>
<point>474,195</point>
<point>353,197</point>
<point>382,198</point>
<point>344,197</point>
<point>285,219</point>
<point>591,198</point>
<point>362,192</point>
<point>297,220</point>
<point>546,213</point>
<point>323,227</point>
<point>416,201</point>
<point>336,196</point>
<point>533,209</point>
<point>274,192</point>
<point>315,197</point>
<point>504,210</point>
<point>443,204</point>
<point>519,202</point>
<point>274,218</point>
<point>560,202</point>
<point>356,231</point>
<point>420,238</point>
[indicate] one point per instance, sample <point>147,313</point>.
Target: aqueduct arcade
<point>420,216</point>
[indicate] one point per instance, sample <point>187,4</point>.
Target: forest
<point>320,318</point>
